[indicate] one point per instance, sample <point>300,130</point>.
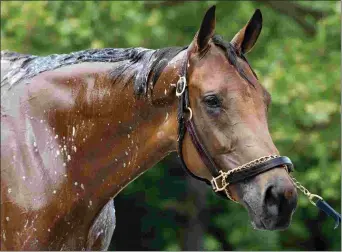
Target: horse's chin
<point>271,224</point>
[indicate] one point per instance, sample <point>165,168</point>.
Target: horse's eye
<point>212,101</point>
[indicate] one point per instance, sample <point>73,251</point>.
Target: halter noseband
<point>221,180</point>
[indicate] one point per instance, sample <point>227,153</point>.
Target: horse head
<point>228,106</point>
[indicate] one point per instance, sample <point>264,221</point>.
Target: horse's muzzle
<point>279,202</point>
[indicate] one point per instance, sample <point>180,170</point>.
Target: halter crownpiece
<point>222,179</point>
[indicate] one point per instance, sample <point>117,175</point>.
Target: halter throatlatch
<point>220,179</point>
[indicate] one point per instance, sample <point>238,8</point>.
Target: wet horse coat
<point>37,157</point>
<point>77,128</point>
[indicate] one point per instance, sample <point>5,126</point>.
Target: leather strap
<point>203,153</point>
<point>260,168</point>
<point>188,125</point>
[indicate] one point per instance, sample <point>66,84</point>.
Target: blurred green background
<point>297,58</point>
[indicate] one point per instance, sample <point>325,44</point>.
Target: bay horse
<point>77,128</point>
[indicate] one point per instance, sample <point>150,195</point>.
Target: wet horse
<point>77,128</point>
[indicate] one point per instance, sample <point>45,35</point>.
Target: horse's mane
<point>141,61</point>
<point>140,64</point>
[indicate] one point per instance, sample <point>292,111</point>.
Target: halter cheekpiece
<point>220,179</point>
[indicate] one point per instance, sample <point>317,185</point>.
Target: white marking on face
<point>54,192</point>
<point>126,153</point>
<point>90,203</point>
<point>9,190</point>
<point>7,218</point>
<point>76,183</point>
<point>128,136</point>
<point>69,158</point>
<point>82,186</point>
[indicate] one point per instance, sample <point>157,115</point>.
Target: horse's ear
<point>206,31</point>
<point>245,39</point>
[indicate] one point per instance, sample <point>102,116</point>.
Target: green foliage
<point>302,73</point>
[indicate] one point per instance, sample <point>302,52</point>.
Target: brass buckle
<point>215,185</point>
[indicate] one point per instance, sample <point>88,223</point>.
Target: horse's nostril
<point>272,200</point>
<point>279,199</point>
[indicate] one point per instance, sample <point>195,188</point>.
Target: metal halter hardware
<point>182,82</point>
<point>224,175</point>
<point>221,180</point>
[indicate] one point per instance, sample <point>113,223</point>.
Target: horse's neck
<point>111,137</point>
<point>145,130</point>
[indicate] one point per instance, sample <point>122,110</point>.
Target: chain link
<point>300,187</point>
<point>250,164</point>
<point>223,175</point>
<point>306,192</point>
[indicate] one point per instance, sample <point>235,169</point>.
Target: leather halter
<point>221,180</point>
